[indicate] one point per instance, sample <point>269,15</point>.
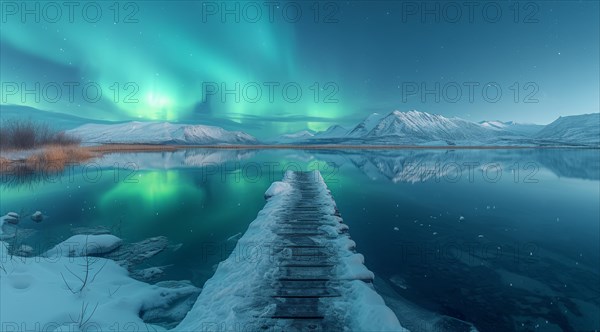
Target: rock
<point>37,216</point>
<point>149,274</point>
<point>135,253</point>
<point>12,218</point>
<point>170,304</point>
<point>12,221</point>
<point>24,250</point>
<point>399,281</point>
<point>85,245</point>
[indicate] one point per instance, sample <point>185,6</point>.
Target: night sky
<point>166,60</point>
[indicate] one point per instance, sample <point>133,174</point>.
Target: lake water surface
<point>508,240</point>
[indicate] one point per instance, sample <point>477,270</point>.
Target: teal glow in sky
<point>172,60</point>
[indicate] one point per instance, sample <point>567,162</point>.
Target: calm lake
<point>507,240</point>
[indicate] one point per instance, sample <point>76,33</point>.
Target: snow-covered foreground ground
<point>65,289</point>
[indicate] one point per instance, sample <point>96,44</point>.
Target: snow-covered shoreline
<point>70,288</point>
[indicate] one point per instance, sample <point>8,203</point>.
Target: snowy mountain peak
<point>366,125</point>
<point>414,127</point>
<point>334,127</point>
<point>526,129</point>
<point>334,131</point>
<point>300,134</point>
<point>494,124</point>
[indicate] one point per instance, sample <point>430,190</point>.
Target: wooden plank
<point>306,271</point>
<point>304,284</point>
<point>292,234</point>
<point>308,260</point>
<point>306,292</point>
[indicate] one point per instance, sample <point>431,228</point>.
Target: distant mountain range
<point>527,129</point>
<point>420,128</point>
<point>300,136</point>
<point>395,128</point>
<point>159,133</point>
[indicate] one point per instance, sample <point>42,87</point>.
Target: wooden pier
<point>310,280</point>
<point>307,277</point>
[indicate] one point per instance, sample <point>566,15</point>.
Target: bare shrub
<point>61,138</point>
<point>27,134</point>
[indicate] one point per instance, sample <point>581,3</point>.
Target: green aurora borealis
<point>349,61</point>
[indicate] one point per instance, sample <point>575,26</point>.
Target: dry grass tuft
<point>56,157</point>
<point>4,164</point>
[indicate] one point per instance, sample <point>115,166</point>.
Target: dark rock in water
<point>37,216</point>
<point>132,254</point>
<point>176,247</point>
<point>173,300</point>
<point>149,274</point>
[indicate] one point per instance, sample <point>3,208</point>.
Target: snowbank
<point>54,294</point>
<point>277,188</point>
<point>2,222</point>
<point>85,245</point>
<point>9,218</point>
<point>367,311</point>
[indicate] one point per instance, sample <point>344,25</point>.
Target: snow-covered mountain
<point>159,133</point>
<point>296,137</point>
<point>366,125</point>
<point>527,129</point>
<point>421,127</point>
<point>334,131</point>
<point>578,129</point>
<point>400,128</point>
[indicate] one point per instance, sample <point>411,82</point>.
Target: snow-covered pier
<point>295,269</point>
